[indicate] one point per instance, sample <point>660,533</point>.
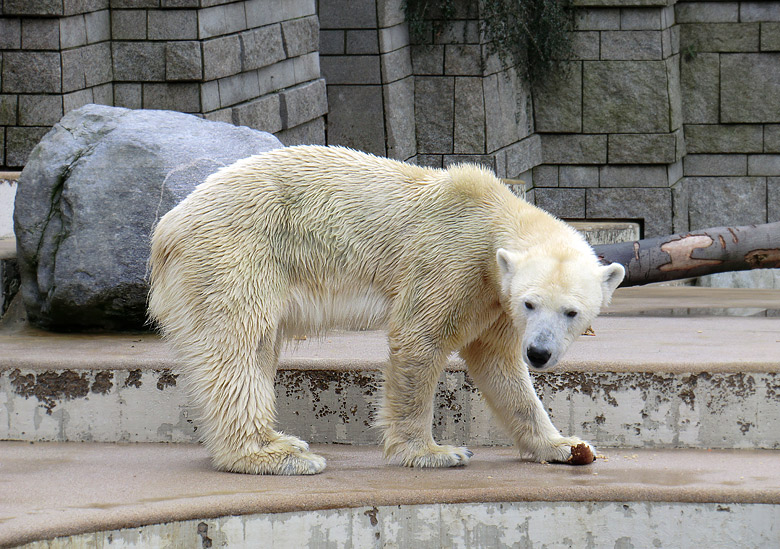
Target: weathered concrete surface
<point>642,382</point>
<point>704,497</point>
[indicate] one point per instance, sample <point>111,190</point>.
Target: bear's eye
<point>571,314</point>
<point>529,305</point>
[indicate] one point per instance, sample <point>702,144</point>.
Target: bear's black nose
<point>538,356</point>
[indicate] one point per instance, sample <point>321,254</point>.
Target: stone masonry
<point>252,63</point>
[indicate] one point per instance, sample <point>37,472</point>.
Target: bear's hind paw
<point>438,456</point>
<point>278,458</point>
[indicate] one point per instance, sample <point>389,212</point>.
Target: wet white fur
<point>304,239</point>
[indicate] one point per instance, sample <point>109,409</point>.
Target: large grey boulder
<point>89,196</point>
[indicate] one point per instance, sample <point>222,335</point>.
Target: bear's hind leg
<point>234,391</point>
<point>406,412</point>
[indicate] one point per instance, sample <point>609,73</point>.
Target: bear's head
<point>553,297</point>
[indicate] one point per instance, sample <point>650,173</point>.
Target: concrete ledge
<point>52,489</point>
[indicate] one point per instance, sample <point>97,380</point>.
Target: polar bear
<point>306,238</point>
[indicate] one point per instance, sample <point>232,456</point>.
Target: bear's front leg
<point>494,362</point>
<point>406,412</point>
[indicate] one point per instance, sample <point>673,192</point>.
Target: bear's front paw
<point>570,450</point>
<point>436,456</point>
<point>284,456</point>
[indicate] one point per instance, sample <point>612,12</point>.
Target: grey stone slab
<point>180,3</point>
<point>135,3</point>
<point>720,37</point>
<point>264,12</point>
<point>726,201</point>
<point>8,110</point>
<point>707,12</point>
<point>238,88</point>
<point>463,59</point>
<point>222,57</point>
<point>523,156</point>
<point>77,99</point>
<point>715,164</point>
<point>624,96</point>
<point>597,19</point>
<point>586,45</point>
<point>773,199</point>
<point>393,38</point>
<point>564,203</point>
<point>771,138</point>
<point>138,61</point>
<point>73,31</point>
<point>306,67</point>
<point>757,164</point>
<point>487,160</point>
<point>725,138</point>
<point>128,95</point>
<point>303,103</point>
<point>503,110</point>
<point>545,176</point>
<point>578,176</point>
<point>355,118</point>
<point>183,60</point>
<point>39,110</point>
<point>26,7</point>
<point>277,76</point>
<point>351,69</point>
<point>759,11</point>
<point>293,9</point>
<point>396,65</point>
<point>19,142</point>
<point>260,114</point>
<point>172,24</point>
<point>558,101</point>
<point>347,14</point>
<point>128,24</point>
<point>399,119</point>
<point>674,90</point>
<point>429,160</point>
<point>97,64</point>
<point>260,47</point>
<point>642,19</point>
<point>434,113</point>
<point>574,149</point>
<point>40,34</point>
<point>333,42</point>
<point>390,12</point>
<point>31,72</point>
<point>300,36</point>
<point>309,133</point>
<point>10,33</point>
<point>209,96</point>
<point>631,45</point>
<point>770,36</point>
<point>73,77</point>
<point>428,59</point>
<point>469,112</point>
<point>103,94</point>
<point>220,20</point>
<point>700,87</point>
<point>674,172</point>
<point>633,176</point>
<point>182,97</point>
<point>651,206</point>
<point>750,88</point>
<point>658,148</point>
<point>222,115</point>
<point>98,26</point>
<point>358,42</point>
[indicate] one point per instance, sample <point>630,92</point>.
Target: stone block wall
<point>252,62</point>
<point>730,79</point>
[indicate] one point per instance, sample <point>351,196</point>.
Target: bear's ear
<point>507,267</point>
<point>611,277</point>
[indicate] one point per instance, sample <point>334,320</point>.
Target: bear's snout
<point>538,356</point>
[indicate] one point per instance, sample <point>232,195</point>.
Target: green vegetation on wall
<point>531,34</point>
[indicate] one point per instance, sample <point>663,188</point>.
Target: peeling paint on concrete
<point>636,409</point>
<point>468,525</point>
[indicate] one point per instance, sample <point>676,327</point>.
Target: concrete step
<point>653,382</point>
<point>155,495</point>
